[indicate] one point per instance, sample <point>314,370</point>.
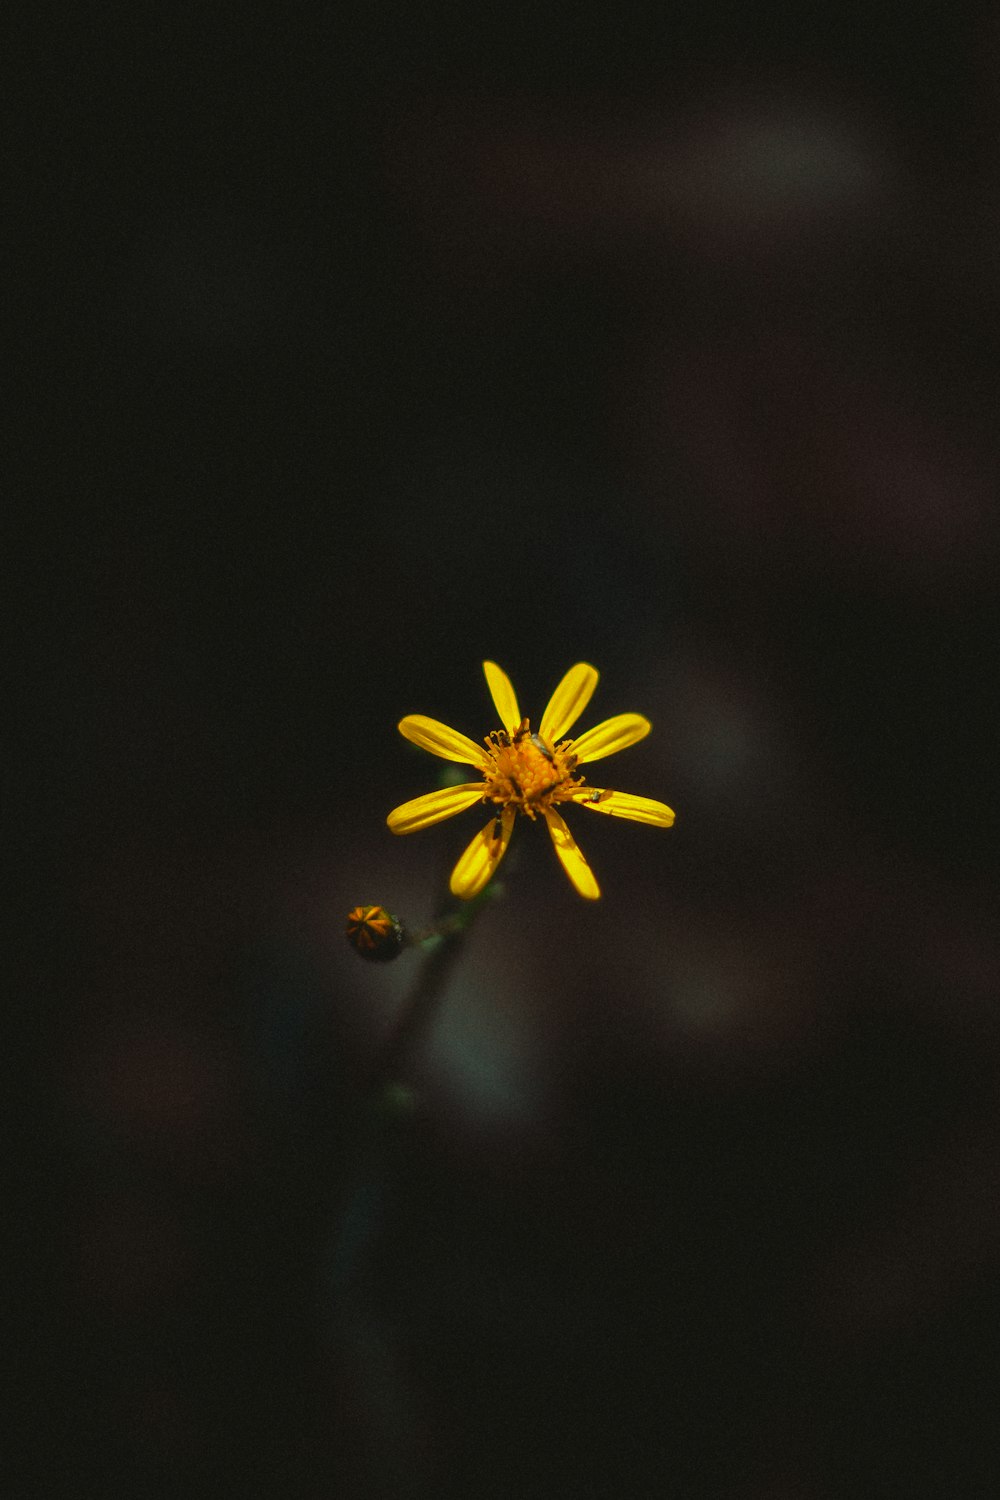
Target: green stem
<point>357,1221</point>
<point>442,944</point>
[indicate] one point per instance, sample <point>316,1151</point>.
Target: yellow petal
<point>434,807</point>
<point>504,696</point>
<point>432,735</point>
<point>610,737</point>
<point>573,862</point>
<point>477,864</point>
<point>568,701</point>
<point>624,805</point>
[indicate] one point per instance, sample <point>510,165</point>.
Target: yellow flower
<point>530,773</point>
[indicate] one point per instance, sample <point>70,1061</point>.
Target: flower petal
<point>432,735</point>
<point>610,737</point>
<point>504,696</point>
<point>573,862</point>
<point>568,701</point>
<point>624,805</point>
<point>433,807</point>
<point>478,863</point>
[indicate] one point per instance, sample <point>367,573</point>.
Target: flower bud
<point>375,933</point>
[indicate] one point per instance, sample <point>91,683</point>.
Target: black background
<point>363,345</point>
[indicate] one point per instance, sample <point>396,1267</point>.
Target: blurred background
<point>374,342</point>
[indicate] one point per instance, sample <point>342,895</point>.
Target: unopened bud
<point>375,933</point>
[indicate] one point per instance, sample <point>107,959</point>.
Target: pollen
<point>527,773</point>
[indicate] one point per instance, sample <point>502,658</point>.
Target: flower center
<point>522,770</point>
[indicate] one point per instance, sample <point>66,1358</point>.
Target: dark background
<point>363,346</point>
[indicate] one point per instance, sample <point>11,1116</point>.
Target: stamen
<point>526,772</point>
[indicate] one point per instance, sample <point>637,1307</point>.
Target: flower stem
<point>442,943</point>
<point>387,1100</point>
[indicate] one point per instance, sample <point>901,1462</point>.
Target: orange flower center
<point>524,771</point>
